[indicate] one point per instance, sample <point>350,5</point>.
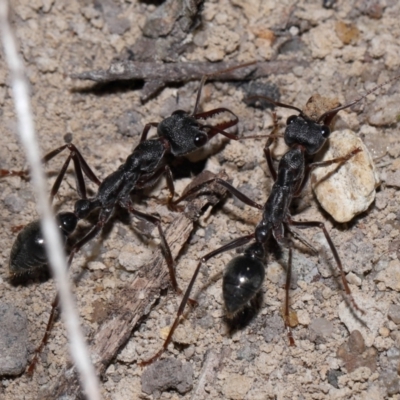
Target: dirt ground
<point>340,51</point>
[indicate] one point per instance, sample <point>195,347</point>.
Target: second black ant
<point>244,275</point>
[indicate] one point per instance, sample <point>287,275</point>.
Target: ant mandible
<point>244,275</point>
<point>178,135</point>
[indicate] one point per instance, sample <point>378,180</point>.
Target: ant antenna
<point>331,113</point>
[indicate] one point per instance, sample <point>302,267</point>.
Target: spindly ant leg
<point>164,245</point>
<point>232,245</point>
<point>219,128</point>
<point>235,192</point>
<point>146,129</point>
<point>80,165</point>
<point>287,289</point>
<point>49,326</point>
<point>321,225</point>
<point>326,163</point>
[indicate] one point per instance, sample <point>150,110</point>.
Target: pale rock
<point>347,189</point>
<point>384,111</point>
<point>235,152</point>
<point>314,14</point>
<point>390,276</point>
<point>96,265</point>
<point>185,335</point>
<point>236,386</point>
<point>323,40</point>
<point>128,353</point>
<point>304,317</point>
<point>129,261</point>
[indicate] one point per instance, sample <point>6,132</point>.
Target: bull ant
<point>178,135</point>
<point>244,275</point>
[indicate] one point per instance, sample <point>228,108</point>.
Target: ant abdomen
<point>28,252</point>
<point>243,278</point>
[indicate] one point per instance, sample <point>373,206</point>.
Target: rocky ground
<point>338,49</point>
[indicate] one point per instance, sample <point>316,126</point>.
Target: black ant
<point>178,135</point>
<point>244,274</point>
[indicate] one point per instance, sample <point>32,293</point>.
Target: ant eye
<point>291,119</point>
<point>325,131</point>
<point>200,140</point>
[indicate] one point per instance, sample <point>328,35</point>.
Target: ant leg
<point>219,128</point>
<point>94,231</point>
<point>321,225</point>
<point>164,245</point>
<point>146,129</point>
<point>287,288</point>
<point>338,160</point>
<point>335,160</point>
<point>80,165</point>
<point>242,197</point>
<point>49,326</point>
<point>170,184</point>
<point>232,245</point>
<point>75,155</point>
<point>103,218</point>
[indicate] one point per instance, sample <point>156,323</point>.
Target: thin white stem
<point>56,254</point>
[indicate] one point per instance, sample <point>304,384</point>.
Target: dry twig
<point>157,75</point>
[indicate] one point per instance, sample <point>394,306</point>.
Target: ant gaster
<point>244,275</point>
<point>178,135</point>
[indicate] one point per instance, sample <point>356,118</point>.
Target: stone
<point>384,111</point>
<point>236,387</point>
<point>13,340</point>
<point>274,328</point>
<point>355,354</point>
<point>321,327</point>
<point>345,189</point>
<point>167,374</point>
<point>390,276</point>
<point>394,313</point>
<point>323,40</point>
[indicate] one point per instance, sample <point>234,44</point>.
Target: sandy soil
<point>348,49</point>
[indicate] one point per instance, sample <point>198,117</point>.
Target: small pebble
<point>167,374</point>
<point>321,327</point>
<point>13,340</point>
<point>274,329</point>
<point>394,313</point>
<point>236,387</point>
<point>355,354</point>
<point>347,189</point>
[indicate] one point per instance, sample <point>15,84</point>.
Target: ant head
<point>243,278</point>
<point>182,132</point>
<point>306,132</point>
<point>67,222</point>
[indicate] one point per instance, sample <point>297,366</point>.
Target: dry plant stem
<point>157,75</point>
<point>137,297</point>
<point>20,87</point>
